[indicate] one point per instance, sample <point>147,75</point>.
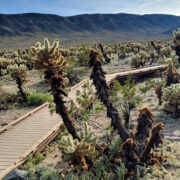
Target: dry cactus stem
<point>145,121</point>
<point>98,76</point>
<point>157,48</point>
<point>129,150</point>
<point>108,60</point>
<point>154,140</point>
<point>49,60</point>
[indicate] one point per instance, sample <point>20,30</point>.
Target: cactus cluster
<point>76,152</point>
<point>170,76</point>
<point>171,99</point>
<point>46,56</point>
<point>145,121</point>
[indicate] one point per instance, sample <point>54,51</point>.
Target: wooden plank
<point>33,149</point>
<point>22,118</point>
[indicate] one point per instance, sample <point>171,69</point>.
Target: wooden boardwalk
<point>30,132</point>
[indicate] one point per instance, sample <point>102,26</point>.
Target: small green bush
<point>36,99</point>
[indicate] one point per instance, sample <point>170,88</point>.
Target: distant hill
<point>24,28</point>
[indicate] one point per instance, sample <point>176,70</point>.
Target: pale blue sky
<point>73,7</point>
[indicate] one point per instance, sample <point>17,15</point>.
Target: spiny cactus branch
<point>98,76</point>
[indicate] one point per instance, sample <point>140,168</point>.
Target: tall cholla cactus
<point>171,99</point>
<point>19,74</point>
<point>135,148</point>
<point>100,83</point>
<point>75,152</point>
<point>176,35</point>
<point>49,60</point>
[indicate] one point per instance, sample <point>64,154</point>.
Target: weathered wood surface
<point>31,131</point>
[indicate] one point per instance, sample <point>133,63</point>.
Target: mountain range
<point>23,29</point>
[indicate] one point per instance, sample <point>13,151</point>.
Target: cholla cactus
<point>47,56</point>
<point>5,62</point>
<point>107,59</point>
<point>171,99</point>
<point>145,121</point>
<point>19,74</point>
<point>68,145</point>
<point>176,34</point>
<point>49,60</point>
<point>154,140</point>
<point>75,152</point>
<point>88,135</point>
<point>136,61</point>
<point>171,75</point>
<point>158,86</point>
<point>166,51</point>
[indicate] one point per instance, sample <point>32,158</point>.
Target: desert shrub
<point>36,99</point>
<point>121,172</point>
<point>125,96</point>
<point>43,172</point>
<point>32,161</point>
<point>83,55</point>
<point>171,99</point>
<point>75,152</point>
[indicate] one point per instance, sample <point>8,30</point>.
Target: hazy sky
<point>73,7</point>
